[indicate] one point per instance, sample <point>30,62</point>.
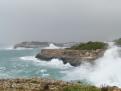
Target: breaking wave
<point>52,46</point>
<point>106,70</point>
<point>12,48</point>
<point>54,63</point>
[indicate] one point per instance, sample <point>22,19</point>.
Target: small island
<point>76,54</point>
<point>38,44</point>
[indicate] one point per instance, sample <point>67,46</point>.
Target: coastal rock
<point>74,57</point>
<point>44,84</point>
<point>32,84</point>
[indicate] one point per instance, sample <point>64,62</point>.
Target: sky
<point>59,20</point>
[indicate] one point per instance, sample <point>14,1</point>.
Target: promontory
<point>76,54</point>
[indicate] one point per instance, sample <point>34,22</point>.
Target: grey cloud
<point>59,20</point>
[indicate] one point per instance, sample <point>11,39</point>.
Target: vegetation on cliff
<point>118,41</point>
<point>89,46</point>
<point>81,88</point>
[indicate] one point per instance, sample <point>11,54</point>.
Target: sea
<point>21,63</point>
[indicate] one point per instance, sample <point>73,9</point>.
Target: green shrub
<point>89,46</point>
<point>118,41</point>
<point>81,88</point>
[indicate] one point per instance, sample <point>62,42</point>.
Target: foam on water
<point>12,48</point>
<point>43,71</point>
<point>30,58</point>
<point>106,71</point>
<point>45,75</point>
<point>54,63</point>
<point>52,46</point>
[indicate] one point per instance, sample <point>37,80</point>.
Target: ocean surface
<point>21,63</point>
<point>18,63</point>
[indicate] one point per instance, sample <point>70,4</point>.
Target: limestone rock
<point>74,57</point>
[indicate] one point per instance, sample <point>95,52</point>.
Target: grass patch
<point>81,88</point>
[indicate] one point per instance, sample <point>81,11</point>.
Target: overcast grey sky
<point>59,20</point>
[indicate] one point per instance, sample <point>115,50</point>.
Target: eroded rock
<point>74,57</point>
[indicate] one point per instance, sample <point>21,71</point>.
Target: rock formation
<point>74,57</point>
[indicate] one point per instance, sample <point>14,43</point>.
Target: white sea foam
<point>12,48</point>
<point>54,63</point>
<point>30,58</point>
<point>43,70</point>
<point>45,75</point>
<point>107,70</point>
<point>7,48</point>
<point>52,46</point>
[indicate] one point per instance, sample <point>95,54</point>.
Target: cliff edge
<point>76,54</point>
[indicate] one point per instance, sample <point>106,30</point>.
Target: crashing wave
<point>52,46</point>
<point>54,63</point>
<point>106,70</point>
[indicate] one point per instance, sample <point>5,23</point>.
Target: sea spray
<point>105,71</point>
<point>52,46</point>
<point>54,63</point>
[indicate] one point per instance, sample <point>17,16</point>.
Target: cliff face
<point>74,57</point>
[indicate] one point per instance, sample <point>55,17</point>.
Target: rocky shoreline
<point>32,84</point>
<point>44,84</point>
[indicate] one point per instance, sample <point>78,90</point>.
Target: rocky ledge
<point>76,54</point>
<point>74,57</point>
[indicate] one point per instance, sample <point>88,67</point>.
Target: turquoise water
<point>21,63</point>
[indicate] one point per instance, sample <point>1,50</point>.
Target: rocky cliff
<point>74,57</point>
